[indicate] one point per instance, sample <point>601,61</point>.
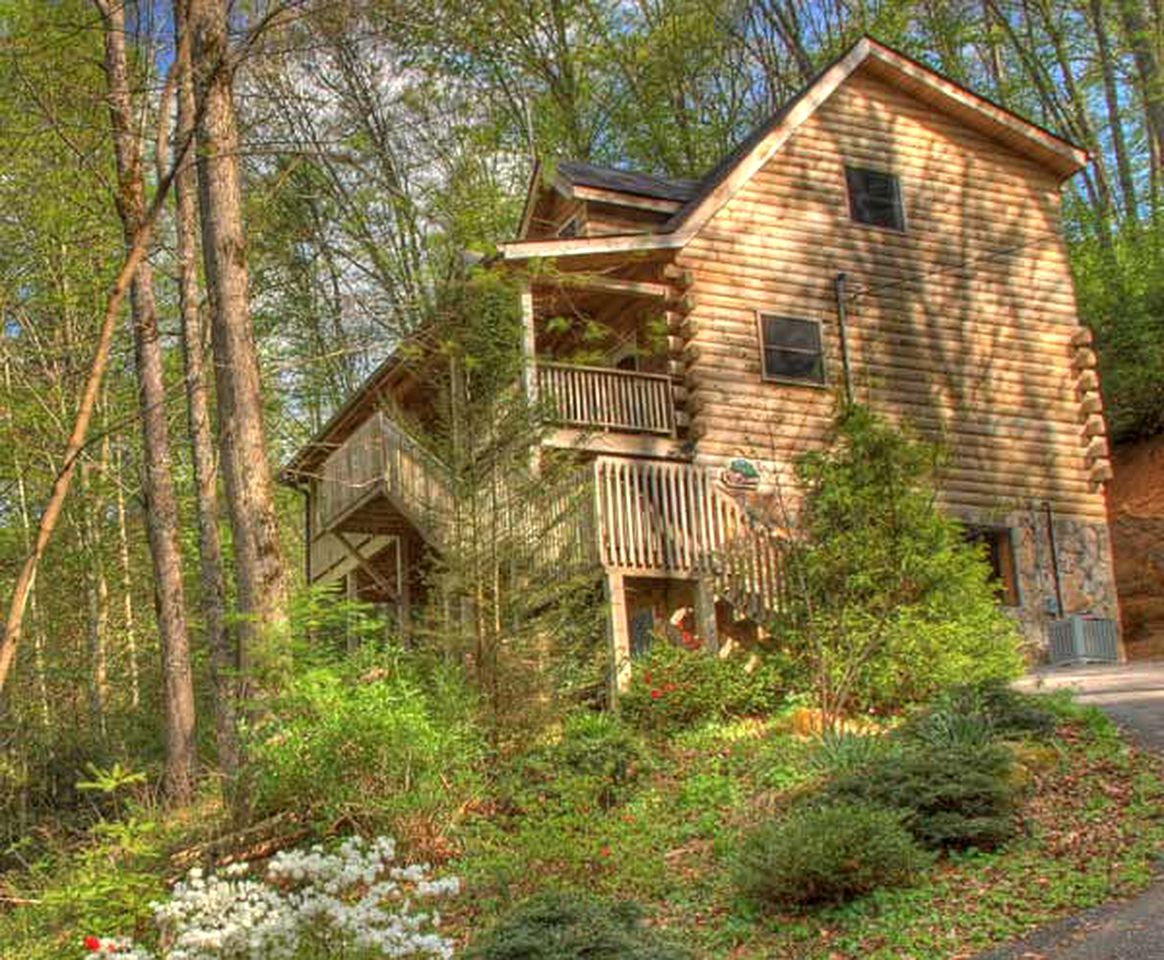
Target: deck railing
<point>350,472</point>
<point>605,398</point>
<point>658,516</point>
<point>380,457</point>
<point>643,517</point>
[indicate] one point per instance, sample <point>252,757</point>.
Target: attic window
<point>874,198</point>
<point>792,349</point>
<point>571,228</point>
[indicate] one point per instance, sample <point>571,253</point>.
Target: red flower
<point>92,943</point>
<point>655,694</point>
<point>604,851</point>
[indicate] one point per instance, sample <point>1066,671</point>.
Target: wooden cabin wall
<point>601,219</point>
<point>961,325</point>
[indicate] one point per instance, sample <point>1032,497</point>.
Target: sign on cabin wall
<point>740,475</point>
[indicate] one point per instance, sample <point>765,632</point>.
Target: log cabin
<point>887,235</point>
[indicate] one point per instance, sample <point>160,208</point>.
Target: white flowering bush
<point>352,903</point>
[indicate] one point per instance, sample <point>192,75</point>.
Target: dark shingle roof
<point>627,181</point>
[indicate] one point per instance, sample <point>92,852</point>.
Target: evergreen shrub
<point>952,798</point>
<point>568,926</point>
<point>827,855</point>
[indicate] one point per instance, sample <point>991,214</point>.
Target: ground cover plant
<point>661,822</point>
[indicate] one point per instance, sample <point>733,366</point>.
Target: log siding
<point>961,324</point>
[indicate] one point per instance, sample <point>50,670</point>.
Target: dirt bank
<point>1135,500</point>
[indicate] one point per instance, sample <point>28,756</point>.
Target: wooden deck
<point>606,398</point>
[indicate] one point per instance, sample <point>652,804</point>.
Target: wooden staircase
<point>641,518</point>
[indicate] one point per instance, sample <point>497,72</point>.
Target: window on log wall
<point>875,198</point>
<point>791,349</point>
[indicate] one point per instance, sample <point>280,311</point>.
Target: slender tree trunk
<point>97,602</point>
<point>223,661</point>
<point>162,522</point>
<point>1146,51</point>
<point>129,620</point>
<point>259,570</point>
<point>1119,141</point>
<point>38,662</point>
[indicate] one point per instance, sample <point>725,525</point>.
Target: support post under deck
<point>618,631</point>
<point>705,622</point>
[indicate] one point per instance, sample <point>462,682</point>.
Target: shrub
<point>365,737</point>
<point>598,758</point>
<point>974,715</point>
<point>600,745</point>
<point>304,903</point>
<point>828,854</point>
<point>566,926</point>
<point>841,752</point>
<point>953,798</point>
<point>673,688</point>
<point>887,602</point>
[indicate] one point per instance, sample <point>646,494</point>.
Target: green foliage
<point>829,854</point>
<point>673,688</point>
<point>368,737</point>
<point>978,714</point>
<point>1121,294</point>
<point>839,752</point>
<point>889,603</point>
<point>952,798</point>
<point>567,926</point>
<point>597,759</point>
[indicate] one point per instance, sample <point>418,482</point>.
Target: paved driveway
<point>1133,695</point>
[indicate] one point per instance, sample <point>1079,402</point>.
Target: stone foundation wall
<point>1086,572</point>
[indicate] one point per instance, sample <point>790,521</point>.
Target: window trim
<point>766,377</point>
<point>904,228</point>
<point>574,221</point>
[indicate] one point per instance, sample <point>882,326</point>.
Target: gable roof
<point>627,181</point>
<point>721,184</point>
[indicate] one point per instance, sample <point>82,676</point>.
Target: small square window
<point>791,349</point>
<point>874,198</point>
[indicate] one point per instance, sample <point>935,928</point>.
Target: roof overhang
<point>1026,138</point>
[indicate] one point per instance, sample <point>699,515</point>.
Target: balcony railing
<point>379,457</point>
<point>605,398</point>
<point>653,516</point>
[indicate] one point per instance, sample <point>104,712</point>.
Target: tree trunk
<point>157,483</point>
<point>259,571</point>
<point>1139,36</point>
<point>1119,141</point>
<point>129,621</point>
<point>223,661</point>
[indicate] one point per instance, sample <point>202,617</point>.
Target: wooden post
<point>351,592</point>
<point>618,631</point>
<point>705,622</point>
<point>403,588</point>
<point>529,374</point>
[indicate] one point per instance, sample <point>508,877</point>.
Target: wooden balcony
<point>605,398</point>
<point>380,459</point>
<point>670,519</point>
<point>637,517</point>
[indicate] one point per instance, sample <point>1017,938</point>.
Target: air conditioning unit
<point>1082,638</point>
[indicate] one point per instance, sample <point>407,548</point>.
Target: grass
<point>1091,828</point>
